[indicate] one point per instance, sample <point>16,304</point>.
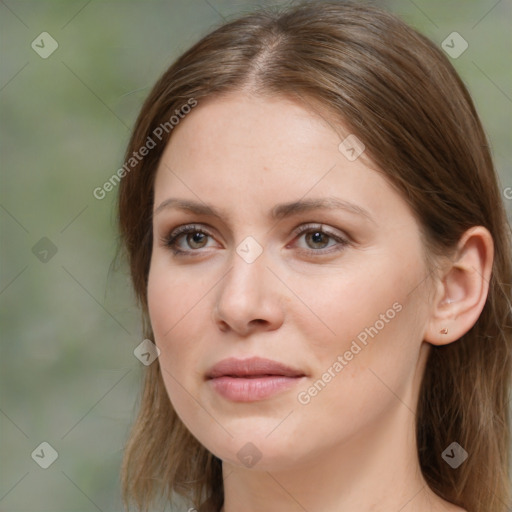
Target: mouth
<point>252,368</point>
<point>249,380</point>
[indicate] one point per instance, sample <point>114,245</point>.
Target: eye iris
<point>317,237</point>
<point>196,238</point>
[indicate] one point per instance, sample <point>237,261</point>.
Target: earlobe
<point>462,289</point>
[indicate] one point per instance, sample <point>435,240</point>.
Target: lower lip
<point>239,389</point>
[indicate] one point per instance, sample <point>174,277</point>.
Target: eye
<point>194,236</point>
<point>317,239</point>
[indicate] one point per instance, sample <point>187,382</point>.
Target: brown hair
<point>400,95</point>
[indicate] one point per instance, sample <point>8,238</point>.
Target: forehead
<point>241,125</point>
<point>250,151</point>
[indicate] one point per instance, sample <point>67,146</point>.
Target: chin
<point>258,451</point>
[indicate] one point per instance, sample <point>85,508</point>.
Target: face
<point>271,242</point>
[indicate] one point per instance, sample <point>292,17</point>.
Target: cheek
<point>174,304</point>
<point>363,326</point>
<point>336,309</point>
<point>173,295</point>
<point>174,301</point>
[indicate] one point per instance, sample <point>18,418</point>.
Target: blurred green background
<point>69,321</point>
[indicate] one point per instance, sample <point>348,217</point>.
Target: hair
<point>399,94</point>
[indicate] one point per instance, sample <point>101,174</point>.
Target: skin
<point>352,447</point>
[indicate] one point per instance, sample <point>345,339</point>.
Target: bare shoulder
<point>441,505</point>
<point>450,507</point>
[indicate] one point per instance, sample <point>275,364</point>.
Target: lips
<point>252,368</point>
<point>250,380</point>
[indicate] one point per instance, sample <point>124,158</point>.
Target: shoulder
<point>441,505</point>
<point>450,507</point>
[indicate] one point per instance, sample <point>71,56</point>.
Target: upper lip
<point>254,366</point>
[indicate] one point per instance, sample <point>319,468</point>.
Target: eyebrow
<point>279,211</point>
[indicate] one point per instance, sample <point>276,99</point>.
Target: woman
<point>318,244</point>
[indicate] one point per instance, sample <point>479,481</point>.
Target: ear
<point>462,288</point>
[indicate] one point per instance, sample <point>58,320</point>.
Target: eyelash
<point>171,240</point>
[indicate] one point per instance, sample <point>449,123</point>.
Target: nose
<point>249,298</point>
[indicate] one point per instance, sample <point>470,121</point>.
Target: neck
<point>376,470</point>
